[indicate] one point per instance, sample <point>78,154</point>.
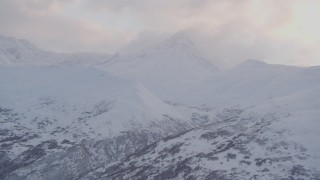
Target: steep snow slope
<point>68,95</point>
<point>166,68</point>
<point>21,52</point>
<point>243,145</point>
<point>46,111</point>
<point>14,51</point>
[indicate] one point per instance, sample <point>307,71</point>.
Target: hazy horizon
<point>159,89</point>
<point>275,32</point>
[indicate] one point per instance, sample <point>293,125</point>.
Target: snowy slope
<point>21,52</point>
<point>242,145</point>
<point>266,127</point>
<point>56,109</point>
<point>166,68</point>
<point>69,95</point>
<point>262,87</point>
<point>253,82</point>
<point>14,51</point>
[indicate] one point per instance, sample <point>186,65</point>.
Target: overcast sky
<point>275,31</point>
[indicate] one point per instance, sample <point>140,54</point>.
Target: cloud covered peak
<point>178,42</point>
<point>11,42</point>
<point>179,39</point>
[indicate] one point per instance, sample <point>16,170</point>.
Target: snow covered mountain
<point>110,120</point>
<point>166,68</point>
<point>266,126</point>
<point>21,52</point>
<point>49,111</point>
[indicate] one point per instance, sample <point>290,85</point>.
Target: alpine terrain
<point>165,112</point>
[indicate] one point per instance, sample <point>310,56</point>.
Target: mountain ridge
<point>21,52</point>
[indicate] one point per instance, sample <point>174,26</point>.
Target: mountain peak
<point>179,38</point>
<point>16,51</point>
<point>178,41</point>
<point>11,42</point>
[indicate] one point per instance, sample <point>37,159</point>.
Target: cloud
<point>229,30</point>
<point>42,23</point>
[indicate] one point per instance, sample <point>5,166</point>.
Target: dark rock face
<point>172,150</point>
<point>213,135</point>
<point>8,166</point>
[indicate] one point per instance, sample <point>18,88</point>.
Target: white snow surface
<point>86,102</point>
